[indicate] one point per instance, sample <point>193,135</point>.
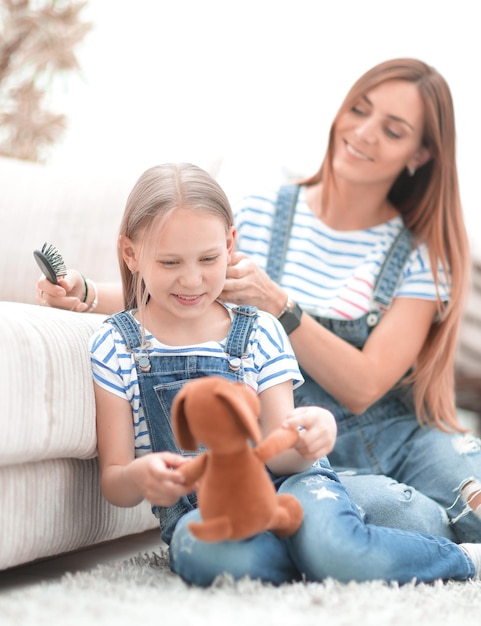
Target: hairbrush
<point>51,263</point>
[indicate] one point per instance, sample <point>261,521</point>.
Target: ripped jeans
<point>333,541</point>
<point>434,477</point>
<point>400,474</point>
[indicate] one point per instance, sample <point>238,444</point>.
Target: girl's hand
<point>68,294</point>
<point>156,477</point>
<point>317,431</point>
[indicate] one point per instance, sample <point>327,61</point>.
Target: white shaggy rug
<point>142,590</point>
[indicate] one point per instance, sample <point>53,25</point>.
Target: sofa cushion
<point>47,400</point>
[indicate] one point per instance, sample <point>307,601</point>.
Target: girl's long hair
<point>430,205</point>
<point>157,193</point>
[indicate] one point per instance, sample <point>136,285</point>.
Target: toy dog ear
<point>245,405</point>
<point>180,425</point>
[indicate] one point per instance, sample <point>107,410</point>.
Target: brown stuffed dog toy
<point>236,497</point>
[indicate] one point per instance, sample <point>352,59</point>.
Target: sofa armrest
<point>47,401</point>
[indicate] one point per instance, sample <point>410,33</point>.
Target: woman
<point>377,325</point>
<point>364,316</point>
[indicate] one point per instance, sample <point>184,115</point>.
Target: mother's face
<point>380,135</point>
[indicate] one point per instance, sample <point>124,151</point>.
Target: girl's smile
<point>188,300</point>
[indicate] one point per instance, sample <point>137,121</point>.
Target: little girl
<point>176,240</point>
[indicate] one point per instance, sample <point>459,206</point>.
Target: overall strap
<point>390,275</point>
<point>240,331</point>
<point>125,323</point>
<point>236,344</point>
<point>281,230</point>
<point>391,269</point>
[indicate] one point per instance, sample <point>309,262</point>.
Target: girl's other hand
<point>317,431</point>
<point>157,479</point>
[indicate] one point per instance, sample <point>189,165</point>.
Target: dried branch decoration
<point>37,43</point>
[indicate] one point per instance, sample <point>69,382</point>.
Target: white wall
<point>253,85</point>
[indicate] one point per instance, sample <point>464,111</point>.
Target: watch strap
<point>290,317</point>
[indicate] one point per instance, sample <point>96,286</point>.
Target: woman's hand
<point>246,283</point>
<point>317,431</point>
<point>157,478</point>
<point>68,294</point>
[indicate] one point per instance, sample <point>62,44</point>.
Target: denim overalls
<point>386,440</point>
<point>161,377</point>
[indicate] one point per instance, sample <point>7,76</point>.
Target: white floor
<point>51,569</point>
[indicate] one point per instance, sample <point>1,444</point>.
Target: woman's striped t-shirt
<point>270,361</point>
<point>332,273</point>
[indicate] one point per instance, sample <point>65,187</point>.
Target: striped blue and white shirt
<point>270,361</point>
<point>332,273</point>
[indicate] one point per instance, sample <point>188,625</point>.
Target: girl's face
<point>184,266</point>
<point>380,135</point>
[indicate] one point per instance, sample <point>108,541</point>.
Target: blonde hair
<point>158,192</point>
<point>430,205</point>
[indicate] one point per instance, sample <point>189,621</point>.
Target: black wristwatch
<point>290,317</point>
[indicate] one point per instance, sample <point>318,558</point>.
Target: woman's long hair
<point>430,206</point>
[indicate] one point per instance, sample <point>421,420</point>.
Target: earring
<point>411,170</point>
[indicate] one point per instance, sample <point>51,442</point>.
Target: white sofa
<point>50,500</point>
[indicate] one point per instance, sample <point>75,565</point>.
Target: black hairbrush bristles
<point>50,262</point>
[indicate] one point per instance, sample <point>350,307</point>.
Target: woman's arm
<point>126,480</point>
<point>104,298</point>
<point>356,378</point>
<point>317,429</point>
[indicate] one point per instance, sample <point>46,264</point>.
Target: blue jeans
<point>400,474</point>
<point>333,541</point>
<point>427,468</point>
<point>384,501</point>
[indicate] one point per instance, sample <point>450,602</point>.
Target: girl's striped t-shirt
<point>270,361</point>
